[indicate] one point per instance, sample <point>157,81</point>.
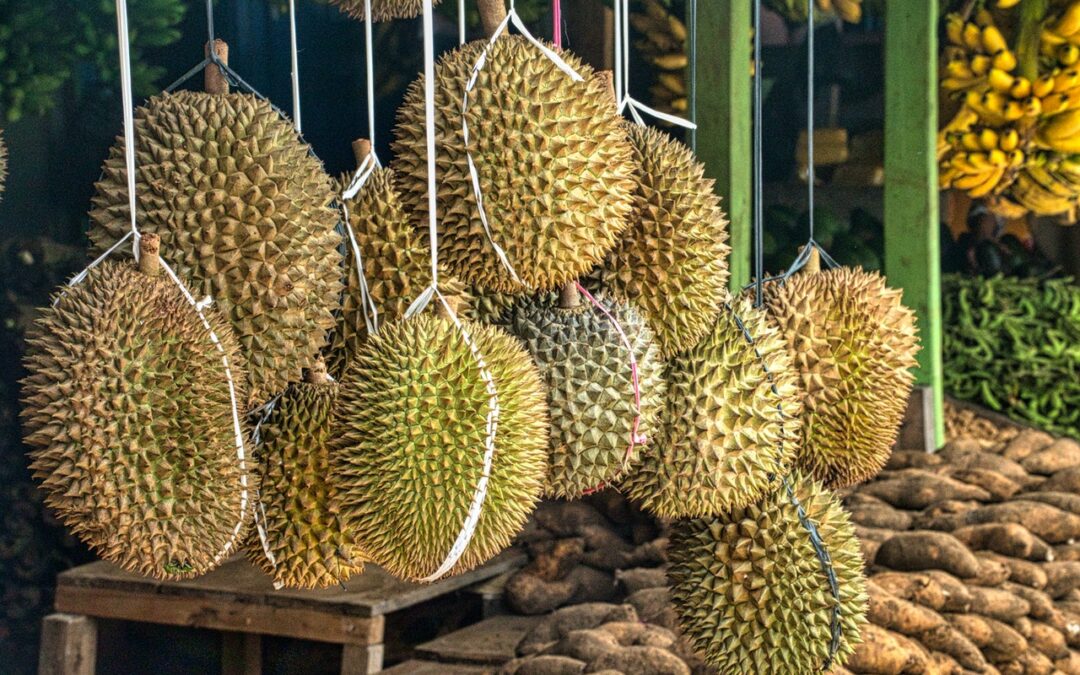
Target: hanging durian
<point>301,541</point>
<point>383,10</point>
<point>588,371</point>
<point>749,589</point>
<point>672,262</point>
<point>397,267</point>
<point>730,423</point>
<point>128,414</point>
<point>853,345</point>
<point>245,216</point>
<point>556,170</point>
<point>411,424</point>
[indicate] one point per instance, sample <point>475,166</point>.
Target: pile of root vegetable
<point>972,555</point>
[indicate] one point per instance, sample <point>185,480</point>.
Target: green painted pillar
<point>723,117</point>
<point>912,255</point>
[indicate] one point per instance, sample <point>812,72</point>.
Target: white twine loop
<point>511,17</point>
<point>260,512</point>
<point>472,518</point>
<point>626,102</point>
<point>295,60</point>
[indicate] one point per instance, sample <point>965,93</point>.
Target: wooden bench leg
<point>68,645</point>
<point>241,654</point>
<point>361,659</point>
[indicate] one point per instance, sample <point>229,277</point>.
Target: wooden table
<point>240,601</point>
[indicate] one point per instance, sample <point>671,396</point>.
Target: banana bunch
<point>1016,138</point>
<point>797,10</point>
<point>663,44</point>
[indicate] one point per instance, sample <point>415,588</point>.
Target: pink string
<point>556,20</point>
<point>636,437</point>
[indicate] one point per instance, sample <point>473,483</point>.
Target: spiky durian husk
<point>411,424</point>
<point>749,590</point>
<point>551,154</point>
<point>728,425</point>
<point>397,265</point>
<point>487,307</point>
<point>383,10</point>
<point>672,262</point>
<point>244,214</point>
<point>587,370</point>
<point>853,344</point>
<point>127,411</point>
<point>297,500</point>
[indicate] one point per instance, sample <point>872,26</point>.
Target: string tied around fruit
<point>472,517</point>
<point>496,20</point>
<point>626,102</point>
<point>146,252</point>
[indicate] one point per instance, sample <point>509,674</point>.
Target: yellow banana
<point>1048,37</point>
<point>987,139</point>
<point>972,37</point>
<point>1065,125</point>
<point>1035,197</point>
<point>1001,81</point>
<point>1048,182</point>
<point>983,18</point>
<point>980,64</point>
<point>1007,4</point>
<point>1005,60</point>
<point>992,39</point>
<point>1068,54</point>
<point>1021,88</point>
<point>954,29</point>
<point>1042,86</point>
<point>1069,22</point>
<point>1066,79</point>
<point>989,183</point>
<point>1009,140</point>
<point>671,61</point>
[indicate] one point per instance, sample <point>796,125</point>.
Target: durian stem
<point>150,255</point>
<point>492,13</point>
<point>570,296</point>
<point>215,81</point>
<point>317,373</point>
<point>361,148</point>
<point>813,263</point>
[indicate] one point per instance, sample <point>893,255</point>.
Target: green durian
<point>411,427</point>
<point>244,214</point>
<point>730,423</point>
<point>672,261</point>
<point>556,168</point>
<point>128,415</point>
<point>298,508</point>
<point>749,589</point>
<point>587,369</point>
<point>853,344</point>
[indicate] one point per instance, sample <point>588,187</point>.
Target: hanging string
<point>810,112</point>
<point>474,176</point>
<point>622,74</point>
<point>472,517</point>
<point>260,512</point>
<point>556,23</point>
<point>692,49</point>
<point>461,22</point>
<point>759,254</point>
<point>295,58</point>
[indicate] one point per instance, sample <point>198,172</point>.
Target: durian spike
<point>361,148</point>
<point>150,255</point>
<point>455,306</point>
<point>215,81</point>
<point>492,14</point>
<point>570,296</point>
<point>813,263</point>
<point>317,373</point>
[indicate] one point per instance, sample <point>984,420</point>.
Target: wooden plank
<point>219,614</point>
<point>241,654</point>
<point>68,645</point>
<point>724,120</point>
<point>912,255</point>
<point>361,659</point>
<point>431,668</point>
<point>492,641</point>
<point>372,593</point>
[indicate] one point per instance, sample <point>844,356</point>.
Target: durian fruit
<point>383,10</point>
<point>672,262</point>
<point>853,344</point>
<point>127,410</point>
<point>411,427</point>
<point>749,589</point>
<point>298,507</point>
<point>244,212</point>
<point>730,423</point>
<point>396,261</point>
<point>587,369</point>
<point>551,155</point>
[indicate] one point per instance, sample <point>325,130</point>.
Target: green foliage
<point>1013,345</point>
<point>42,42</point>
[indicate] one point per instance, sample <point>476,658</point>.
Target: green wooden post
<point>723,118</point>
<point>912,255</point>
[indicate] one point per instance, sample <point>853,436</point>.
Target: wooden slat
<point>723,118</point>
<point>361,659</point>
<point>68,645</point>
<point>370,594</point>
<point>912,255</point>
<point>492,641</point>
<point>218,613</point>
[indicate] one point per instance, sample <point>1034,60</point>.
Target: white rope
<point>129,119</point>
<point>626,102</point>
<point>294,53</point>
<point>369,71</point>
<point>461,21</point>
<point>260,511</point>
